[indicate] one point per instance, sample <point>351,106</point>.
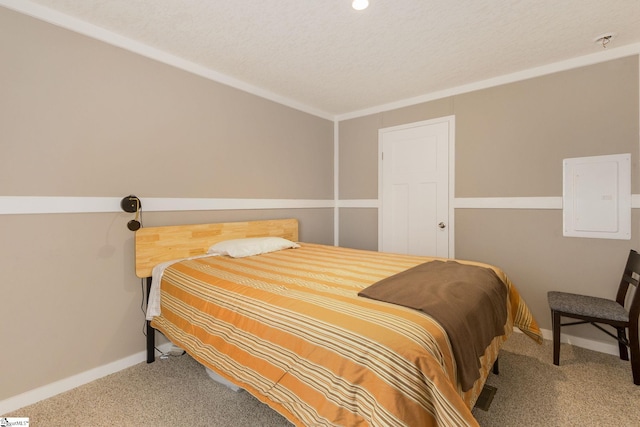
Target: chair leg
<point>634,346</point>
<point>622,338</point>
<point>555,319</point>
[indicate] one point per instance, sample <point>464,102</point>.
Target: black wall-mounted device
<point>132,204</point>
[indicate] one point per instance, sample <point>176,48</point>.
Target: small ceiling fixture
<point>604,39</point>
<point>360,4</point>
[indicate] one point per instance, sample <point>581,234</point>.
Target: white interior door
<point>414,183</point>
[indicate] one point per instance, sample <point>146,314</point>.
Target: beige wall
<point>510,141</point>
<point>125,123</point>
<point>82,118</point>
<point>528,244</point>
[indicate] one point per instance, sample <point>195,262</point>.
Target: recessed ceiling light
<point>360,4</point>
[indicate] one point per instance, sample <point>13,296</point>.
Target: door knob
<point>442,225</point>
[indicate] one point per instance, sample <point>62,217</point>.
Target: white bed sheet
<point>153,301</point>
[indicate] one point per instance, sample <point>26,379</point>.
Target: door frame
<point>451,174</point>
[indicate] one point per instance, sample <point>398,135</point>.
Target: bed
<point>295,327</point>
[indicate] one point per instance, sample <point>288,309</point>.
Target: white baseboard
<point>599,346</point>
<point>33,396</point>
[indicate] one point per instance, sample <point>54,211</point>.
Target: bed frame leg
<point>151,332</point>
<point>496,367</point>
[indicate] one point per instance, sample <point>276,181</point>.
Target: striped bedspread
<point>289,328</point>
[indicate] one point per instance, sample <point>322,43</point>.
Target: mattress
<point>290,328</point>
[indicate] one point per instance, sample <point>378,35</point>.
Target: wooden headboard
<point>159,244</point>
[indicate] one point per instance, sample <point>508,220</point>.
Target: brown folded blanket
<point>468,301</point>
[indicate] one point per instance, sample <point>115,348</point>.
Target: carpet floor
<point>587,389</point>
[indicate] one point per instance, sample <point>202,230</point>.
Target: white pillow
<point>238,248</point>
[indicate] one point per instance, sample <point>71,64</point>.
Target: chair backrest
<point>630,276</point>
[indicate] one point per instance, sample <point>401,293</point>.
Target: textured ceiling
<point>326,56</point>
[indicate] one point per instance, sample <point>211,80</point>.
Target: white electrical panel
<point>596,199</point>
